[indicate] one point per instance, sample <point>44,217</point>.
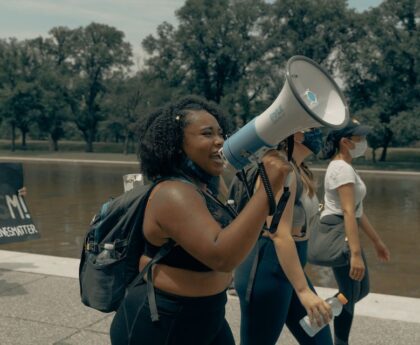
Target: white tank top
<point>338,174</point>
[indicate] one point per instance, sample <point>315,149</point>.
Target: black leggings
<point>273,301</point>
<point>182,320</point>
<point>354,292</point>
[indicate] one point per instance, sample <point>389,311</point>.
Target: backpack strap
<point>148,272</point>
<point>164,250</point>
<point>281,205</point>
<point>252,273</point>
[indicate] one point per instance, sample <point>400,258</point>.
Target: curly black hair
<point>161,134</point>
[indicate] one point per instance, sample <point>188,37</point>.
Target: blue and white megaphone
<point>309,98</point>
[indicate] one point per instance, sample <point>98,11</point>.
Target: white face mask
<point>359,149</point>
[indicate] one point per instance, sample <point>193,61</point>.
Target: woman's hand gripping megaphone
<point>277,169</point>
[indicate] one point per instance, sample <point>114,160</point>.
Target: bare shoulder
<point>175,193</point>
<point>179,208</point>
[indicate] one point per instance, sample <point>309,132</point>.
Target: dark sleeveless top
<point>178,257</point>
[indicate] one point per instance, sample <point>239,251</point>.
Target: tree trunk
<point>23,140</point>
<point>13,138</point>
<point>52,144</point>
<point>89,138</point>
<point>89,145</point>
<point>383,154</point>
<point>387,140</point>
<point>126,142</point>
<point>374,155</point>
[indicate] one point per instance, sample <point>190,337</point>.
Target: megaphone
<point>310,98</point>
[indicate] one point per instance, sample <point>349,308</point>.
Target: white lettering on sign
<point>16,231</point>
<point>17,203</point>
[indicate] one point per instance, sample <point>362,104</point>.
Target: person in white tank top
<point>344,194</point>
<point>340,173</point>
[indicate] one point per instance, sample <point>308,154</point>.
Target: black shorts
<point>182,320</point>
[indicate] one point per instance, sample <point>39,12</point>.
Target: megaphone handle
<point>281,205</point>
<point>267,187</point>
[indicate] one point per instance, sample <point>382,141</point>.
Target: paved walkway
<point>40,305</point>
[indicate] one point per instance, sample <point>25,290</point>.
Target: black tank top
<point>178,257</point>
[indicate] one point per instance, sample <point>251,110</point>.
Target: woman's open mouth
<point>216,157</point>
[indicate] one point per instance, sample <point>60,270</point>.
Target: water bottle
<point>336,303</point>
<point>106,255</point>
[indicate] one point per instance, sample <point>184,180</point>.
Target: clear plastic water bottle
<point>106,255</point>
<point>336,303</point>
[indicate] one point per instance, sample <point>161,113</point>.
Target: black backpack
<point>118,222</point>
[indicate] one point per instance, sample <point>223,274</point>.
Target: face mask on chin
<point>359,149</point>
<point>193,170</point>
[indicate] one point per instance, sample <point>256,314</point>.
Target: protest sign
<point>16,223</point>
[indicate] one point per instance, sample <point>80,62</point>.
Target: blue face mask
<point>313,140</point>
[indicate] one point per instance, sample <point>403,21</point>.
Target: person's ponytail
<point>329,149</point>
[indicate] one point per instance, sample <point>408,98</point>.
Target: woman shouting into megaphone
<point>183,300</point>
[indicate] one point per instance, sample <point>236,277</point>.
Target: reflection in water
<point>63,198</point>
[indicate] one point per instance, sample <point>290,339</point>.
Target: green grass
<point>388,165</point>
<point>65,146</point>
<point>398,154</point>
<point>397,158</point>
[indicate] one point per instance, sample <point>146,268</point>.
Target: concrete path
<point>40,305</point>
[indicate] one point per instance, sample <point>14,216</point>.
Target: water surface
<point>63,197</point>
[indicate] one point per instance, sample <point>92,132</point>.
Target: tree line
<point>79,83</point>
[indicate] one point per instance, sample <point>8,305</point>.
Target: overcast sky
<point>136,18</point>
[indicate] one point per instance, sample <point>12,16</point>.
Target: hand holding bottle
<point>336,303</point>
<point>318,310</point>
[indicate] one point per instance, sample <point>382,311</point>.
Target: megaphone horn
<point>310,98</point>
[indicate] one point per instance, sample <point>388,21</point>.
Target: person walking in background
<point>182,141</point>
<point>344,194</point>
<point>281,293</point>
